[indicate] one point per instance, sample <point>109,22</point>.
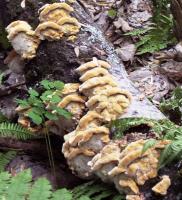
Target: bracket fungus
<point>23,39</point>
<point>54,12</point>
<point>49,30</point>
<point>70,27</point>
<point>55,22</point>
<point>162,187</point>
<point>90,151</point>
<point>72,100</point>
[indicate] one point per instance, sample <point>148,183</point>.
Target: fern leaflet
<point>15,131</point>
<point>20,187</point>
<point>5,158</point>
<point>40,185</point>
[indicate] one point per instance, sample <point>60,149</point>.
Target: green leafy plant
<point>43,106</point>
<point>150,143</point>
<point>10,130</point>
<point>20,187</point>
<point>112,13</point>
<point>1,77</point>
<point>5,158</point>
<point>120,126</point>
<point>165,130</point>
<point>173,106</point>
<point>159,35</point>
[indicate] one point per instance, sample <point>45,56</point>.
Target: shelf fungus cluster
<point>89,150</point>
<point>71,101</point>
<point>23,39</point>
<point>55,23</point>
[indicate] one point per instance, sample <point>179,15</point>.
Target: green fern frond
<point>150,143</point>
<point>164,129</point>
<point>95,191</point>
<point>5,158</point>
<point>4,182</point>
<point>36,193</point>
<point>20,187</point>
<point>171,152</point>
<point>137,32</point>
<point>173,105</point>
<point>159,35</point>
<point>62,193</point>
<point>16,131</point>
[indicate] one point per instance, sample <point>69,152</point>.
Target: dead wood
<point>58,60</point>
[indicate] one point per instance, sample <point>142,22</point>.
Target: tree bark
<point>58,60</point>
<point>176,9</point>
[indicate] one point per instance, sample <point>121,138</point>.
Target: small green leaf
<point>51,116</point>
<point>62,194</point>
<point>23,103</point>
<point>47,95</point>
<point>1,77</point>
<point>58,85</point>
<point>84,198</point>
<point>64,113</point>
<point>45,84</point>
<point>55,99</point>
<point>34,101</point>
<point>38,110</point>
<point>150,143</point>
<point>37,119</point>
<point>51,85</point>
<point>112,13</point>
<point>33,93</point>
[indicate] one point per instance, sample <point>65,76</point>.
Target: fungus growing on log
<point>25,122</point>
<point>162,187</point>
<point>49,30</point>
<point>92,64</point>
<point>133,197</point>
<point>90,151</point>
<point>94,73</point>
<point>72,101</point>
<point>54,12</point>
<point>23,39</point>
<point>56,21</point>
<point>70,27</point>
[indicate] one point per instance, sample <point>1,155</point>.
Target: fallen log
<point>60,58</point>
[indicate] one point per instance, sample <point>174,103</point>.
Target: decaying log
<point>36,146</point>
<point>58,59</point>
<point>139,107</point>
